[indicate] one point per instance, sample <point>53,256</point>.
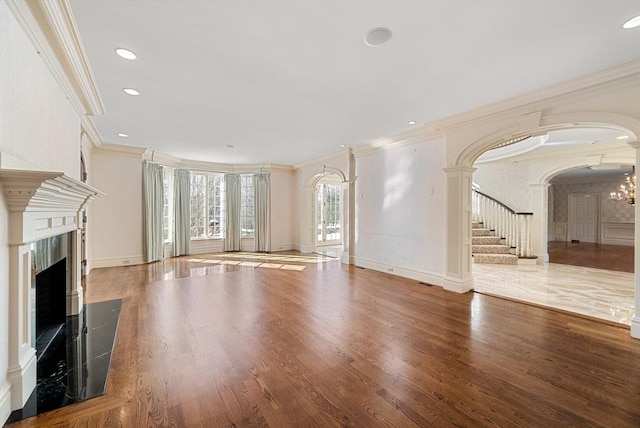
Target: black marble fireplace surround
<point>75,366</point>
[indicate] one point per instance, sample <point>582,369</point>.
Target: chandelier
<point>627,190</point>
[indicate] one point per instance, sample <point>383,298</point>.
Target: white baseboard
<point>458,286</point>
<point>307,249</point>
<point>23,379</point>
<point>5,402</point>
<point>422,276</point>
<point>635,327</point>
<point>118,261</point>
<point>283,247</point>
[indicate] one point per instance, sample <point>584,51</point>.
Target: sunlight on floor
<point>261,260</point>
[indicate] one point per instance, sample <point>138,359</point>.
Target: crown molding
<point>92,132</point>
<point>344,153</point>
<point>606,150</point>
<point>524,103</point>
<point>118,150</point>
<point>418,136</point>
<point>52,30</point>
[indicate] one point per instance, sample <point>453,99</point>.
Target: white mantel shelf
<point>43,203</point>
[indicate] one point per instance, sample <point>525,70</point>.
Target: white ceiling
<point>287,81</point>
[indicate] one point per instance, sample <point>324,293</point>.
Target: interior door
<point>328,218</point>
<point>583,217</point>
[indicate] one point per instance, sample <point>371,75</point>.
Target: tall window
<point>207,206</point>
<point>167,205</point>
<point>247,208</point>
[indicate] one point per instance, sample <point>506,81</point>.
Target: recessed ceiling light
<point>125,53</point>
<point>632,23</point>
<point>122,134</point>
<point>341,145</point>
<point>622,137</point>
<point>412,122</point>
<point>377,36</point>
<point>131,91</point>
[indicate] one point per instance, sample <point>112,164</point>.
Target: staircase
<point>486,247</point>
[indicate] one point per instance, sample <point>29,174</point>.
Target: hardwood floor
<point>599,256</point>
<point>221,345</point>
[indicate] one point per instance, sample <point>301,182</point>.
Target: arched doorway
<point>525,179</point>
<point>327,215</point>
<point>328,212</point>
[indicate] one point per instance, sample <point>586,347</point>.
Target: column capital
<point>458,169</point>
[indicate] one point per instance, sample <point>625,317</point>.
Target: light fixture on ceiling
<point>229,146</point>
<point>341,145</point>
<point>632,23</point>
<point>412,122</point>
<point>627,190</point>
<point>131,91</point>
<point>377,36</point>
<point>122,134</point>
<point>125,53</point>
<point>622,137</point>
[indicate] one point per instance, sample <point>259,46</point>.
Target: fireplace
<point>44,212</point>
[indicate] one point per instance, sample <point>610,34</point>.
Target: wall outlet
<point>390,269</point>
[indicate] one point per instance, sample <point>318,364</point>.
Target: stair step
<point>481,232</point>
<point>477,224</point>
<point>496,259</point>
<point>485,240</point>
<point>490,249</point>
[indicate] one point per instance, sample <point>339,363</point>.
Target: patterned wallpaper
<point>610,211</point>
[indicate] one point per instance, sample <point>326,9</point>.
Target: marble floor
<point>597,293</point>
<point>75,366</point>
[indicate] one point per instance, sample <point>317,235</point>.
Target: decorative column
<point>22,356</point>
<point>635,321</point>
<point>74,293</point>
<point>458,276</point>
<point>349,209</point>
<point>540,221</point>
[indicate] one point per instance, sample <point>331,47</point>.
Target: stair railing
<point>513,227</point>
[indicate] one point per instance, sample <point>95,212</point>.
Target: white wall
<point>117,227</point>
<point>284,233</point>
<point>38,125</point>
<point>506,181</point>
<point>400,211</point>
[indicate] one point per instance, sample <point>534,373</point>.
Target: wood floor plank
<point>206,345</point>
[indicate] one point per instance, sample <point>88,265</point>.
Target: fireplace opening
<point>51,303</point>
<point>51,278</point>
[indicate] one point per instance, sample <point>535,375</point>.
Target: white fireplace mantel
<point>41,204</point>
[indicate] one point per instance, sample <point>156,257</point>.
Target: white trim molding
<point>118,261</point>
<point>52,30</point>
<point>428,278</point>
<point>617,233</point>
<point>5,402</point>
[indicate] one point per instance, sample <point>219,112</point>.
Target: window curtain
<point>232,215</point>
<point>153,203</point>
<point>261,200</point>
<point>182,213</point>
